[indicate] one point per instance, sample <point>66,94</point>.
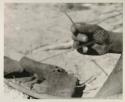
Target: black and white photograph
<point>63,50</point>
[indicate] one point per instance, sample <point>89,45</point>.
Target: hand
<point>92,39</point>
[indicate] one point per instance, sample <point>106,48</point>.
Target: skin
<point>104,42</point>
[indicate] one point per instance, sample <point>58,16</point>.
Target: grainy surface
<point>31,26</point>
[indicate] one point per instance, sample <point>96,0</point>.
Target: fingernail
<point>82,37</point>
<point>85,49</point>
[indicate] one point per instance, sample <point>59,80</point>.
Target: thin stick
<point>82,84</point>
<point>89,90</point>
<point>57,55</point>
<point>69,17</point>
<point>92,80</point>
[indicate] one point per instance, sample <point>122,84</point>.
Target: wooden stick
<point>65,45</point>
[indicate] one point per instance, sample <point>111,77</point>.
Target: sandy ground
<point>32,26</point>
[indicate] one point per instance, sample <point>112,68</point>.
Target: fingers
<point>76,28</point>
<point>77,45</point>
<point>80,37</point>
<point>84,49</point>
<point>78,42</point>
<point>89,49</point>
<point>85,28</point>
<point>84,36</point>
<point>100,49</point>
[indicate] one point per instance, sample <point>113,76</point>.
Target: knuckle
<point>101,36</point>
